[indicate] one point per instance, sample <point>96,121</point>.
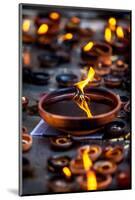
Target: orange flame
<point>42,29</point>
<point>90,175</point>
<point>80,85</point>
<point>26,58</point>
<point>54,15</point>
<point>66,171</point>
<point>91,180</point>
<point>112,23</point>
<point>108,35</point>
<point>26,25</point>
<point>88,46</point>
<point>120,32</point>
<point>75,20</point>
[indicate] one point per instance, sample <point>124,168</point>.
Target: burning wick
<point>79,97</point>
<point>88,46</point>
<point>90,175</point>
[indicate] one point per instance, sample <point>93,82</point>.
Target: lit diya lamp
<point>97,52</point>
<point>84,111</point>
<point>119,67</point>
<point>26,142</point>
<point>116,38</point>
<point>55,17</point>
<point>27,31</point>
<point>102,70</point>
<point>73,24</point>
<point>94,151</point>
<point>90,180</point>
<point>115,154</point>
<point>57,163</point>
<point>68,39</point>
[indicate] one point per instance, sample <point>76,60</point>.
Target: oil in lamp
<point>26,142</point>
<point>115,154</point>
<point>61,142</point>
<point>105,167</point>
<point>57,163</point>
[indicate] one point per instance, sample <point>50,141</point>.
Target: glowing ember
<point>90,175</point>
<point>108,35</point>
<point>42,29</point>
<point>67,171</point>
<point>88,46</point>
<point>81,102</point>
<point>54,15</point>
<point>26,25</point>
<point>120,32</point>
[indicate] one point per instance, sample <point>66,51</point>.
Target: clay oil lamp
<point>112,81</point>
<point>45,27</point>
<point>73,24</point>
<point>27,31</point>
<point>63,56</point>
<point>123,179</point>
<point>102,70</point>
<point>103,182</point>
<point>55,17</point>
<point>61,142</point>
<point>40,78</point>
<point>90,180</point>
<point>25,102</point>
<point>66,79</point>
<point>115,154</point>
<point>33,109</point>
<point>57,163</point>
<point>59,184</point>
<point>99,52</point>
<point>26,142</point>
<point>119,67</point>
<point>77,166</point>
<point>105,167</point>
<point>68,39</point>
<point>48,59</point>
<point>85,32</point>
<point>79,117</point>
<point>94,151</point>
<point>116,129</point>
